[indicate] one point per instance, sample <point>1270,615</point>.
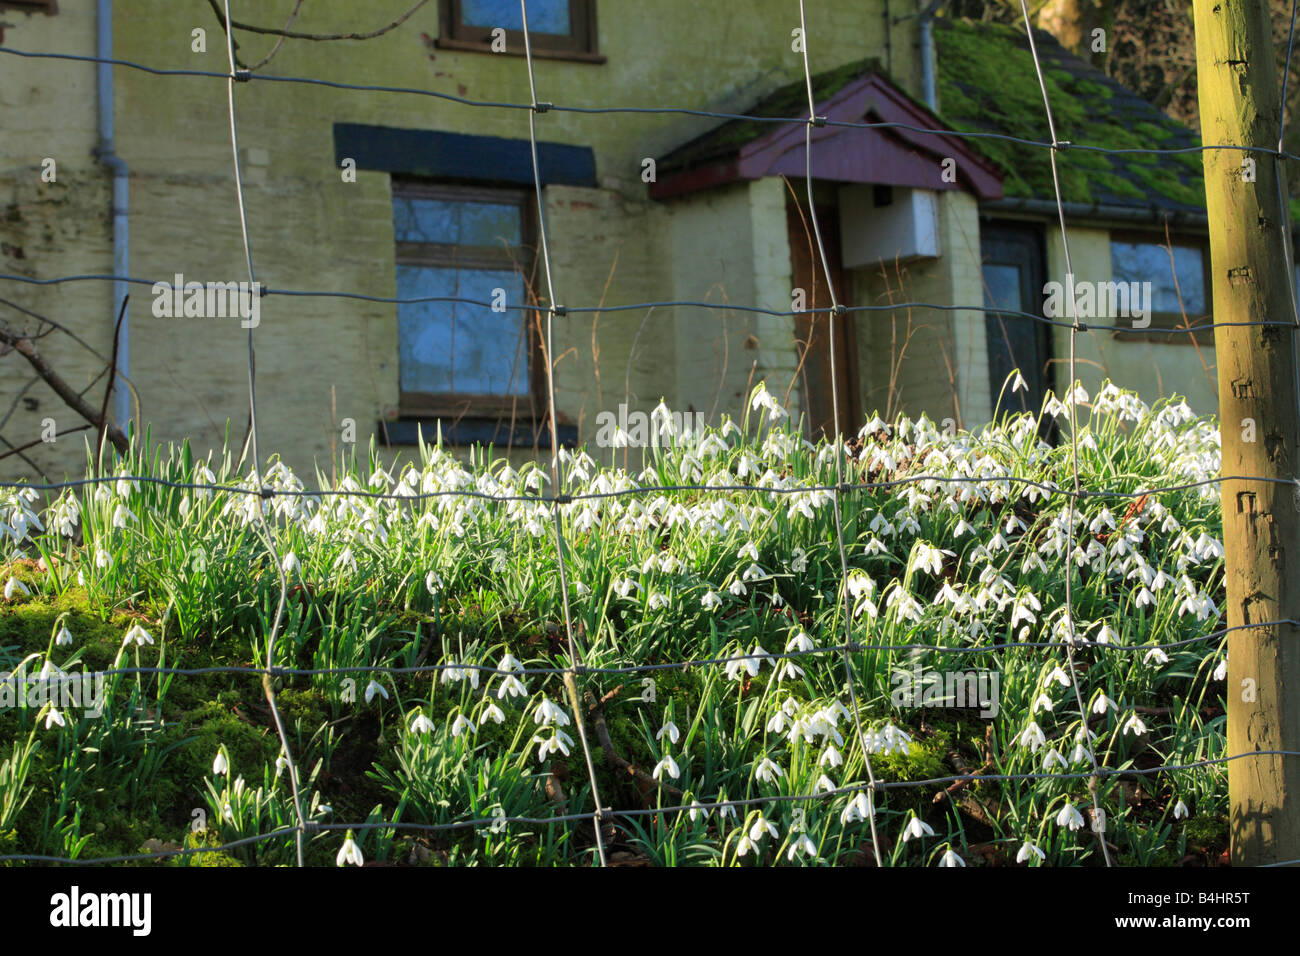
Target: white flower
<point>548,712</point>
<point>666,765</point>
<point>290,563</point>
<point>493,713</point>
<point>951,859</point>
<point>1032,737</point>
<point>373,688</point>
<point>858,809</point>
<point>219,765</point>
<point>462,724</point>
<point>54,717</point>
<point>13,586</point>
<point>421,725</point>
<point>1221,672</point>
<point>1069,817</point>
<point>349,853</point>
<point>761,826</point>
<point>1135,726</point>
<point>802,846</point>
<point>558,741</point>
<point>137,635</point>
<point>671,730</point>
<point>916,827</point>
<point>1028,851</point>
<point>1180,810</point>
<point>710,601</point>
<point>1102,704</point>
<point>767,771</point>
<point>1157,655</point>
<point>824,784</point>
<point>64,637</point>
<point>830,758</point>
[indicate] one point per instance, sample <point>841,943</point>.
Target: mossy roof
<point>787,101</point>
<point>987,83</point>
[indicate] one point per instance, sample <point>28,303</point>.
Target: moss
<point>988,84</point>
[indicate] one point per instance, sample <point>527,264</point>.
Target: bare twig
<point>112,377</point>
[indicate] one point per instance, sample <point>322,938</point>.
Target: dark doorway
<point>1013,273</point>
<point>812,329</point>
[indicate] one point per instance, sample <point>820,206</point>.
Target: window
<point>454,358</point>
<point>1176,288</point>
<point>556,28</point>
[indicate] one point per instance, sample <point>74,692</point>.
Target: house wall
<point>320,360</point>
<point>1156,366</point>
<point>938,359</point>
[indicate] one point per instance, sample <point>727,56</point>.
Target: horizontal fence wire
<point>576,667</point>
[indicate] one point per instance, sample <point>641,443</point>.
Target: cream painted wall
<point>1156,367</point>
<point>936,360</point>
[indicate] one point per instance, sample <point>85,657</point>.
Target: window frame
<point>1197,334</point>
<point>470,405</point>
<point>48,7</point>
<point>580,45</point>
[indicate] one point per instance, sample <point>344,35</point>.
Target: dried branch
<point>596,711</point>
<point>112,376</point>
<point>294,35</point>
<point>24,346</point>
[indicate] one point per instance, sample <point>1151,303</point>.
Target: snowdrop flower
<point>670,729</point>
<point>349,853</point>
<point>1018,383</point>
<point>1032,737</point>
<point>1106,635</point>
<point>493,713</point>
<point>512,686</point>
<point>1180,810</point>
<point>666,765</point>
<point>802,846</point>
<point>64,637</point>
<point>777,724</point>
<point>696,809</point>
<point>1145,598</point>
<point>421,725</point>
<point>1135,726</point>
<point>54,717</point>
<point>1157,655</point>
<point>1060,676</point>
<point>830,758</point>
<point>1069,817</point>
<point>1053,757</point>
<point>290,563</point>
<point>1028,851</point>
<point>1221,672</point>
<point>658,600</point>
<point>767,771</point>
<point>858,809</point>
<point>548,712</point>
<point>432,583</point>
<point>951,859</point>
<point>138,635</point>
<point>1043,702</point>
<point>760,828</point>
<point>710,601</point>
<point>558,741</point>
<point>373,688</point>
<point>824,784</point>
<point>346,560</point>
<point>916,828</point>
<point>1102,704</point>
<point>745,845</point>
<point>14,586</point>
<point>219,765</point>
<point>789,671</point>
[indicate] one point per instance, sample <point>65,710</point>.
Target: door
<point>812,329</point>
<point>1013,270</point>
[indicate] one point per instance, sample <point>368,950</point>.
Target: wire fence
<point>601,814</point>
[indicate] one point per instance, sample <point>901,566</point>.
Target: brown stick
<point>112,377</point>
<point>612,757</point>
<point>27,349</point>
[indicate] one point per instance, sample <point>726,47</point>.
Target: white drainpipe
<point>121,198</point>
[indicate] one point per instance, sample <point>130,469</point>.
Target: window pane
<point>544,16</point>
<point>455,223</point>
<point>1149,262</point>
<point>449,347</point>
